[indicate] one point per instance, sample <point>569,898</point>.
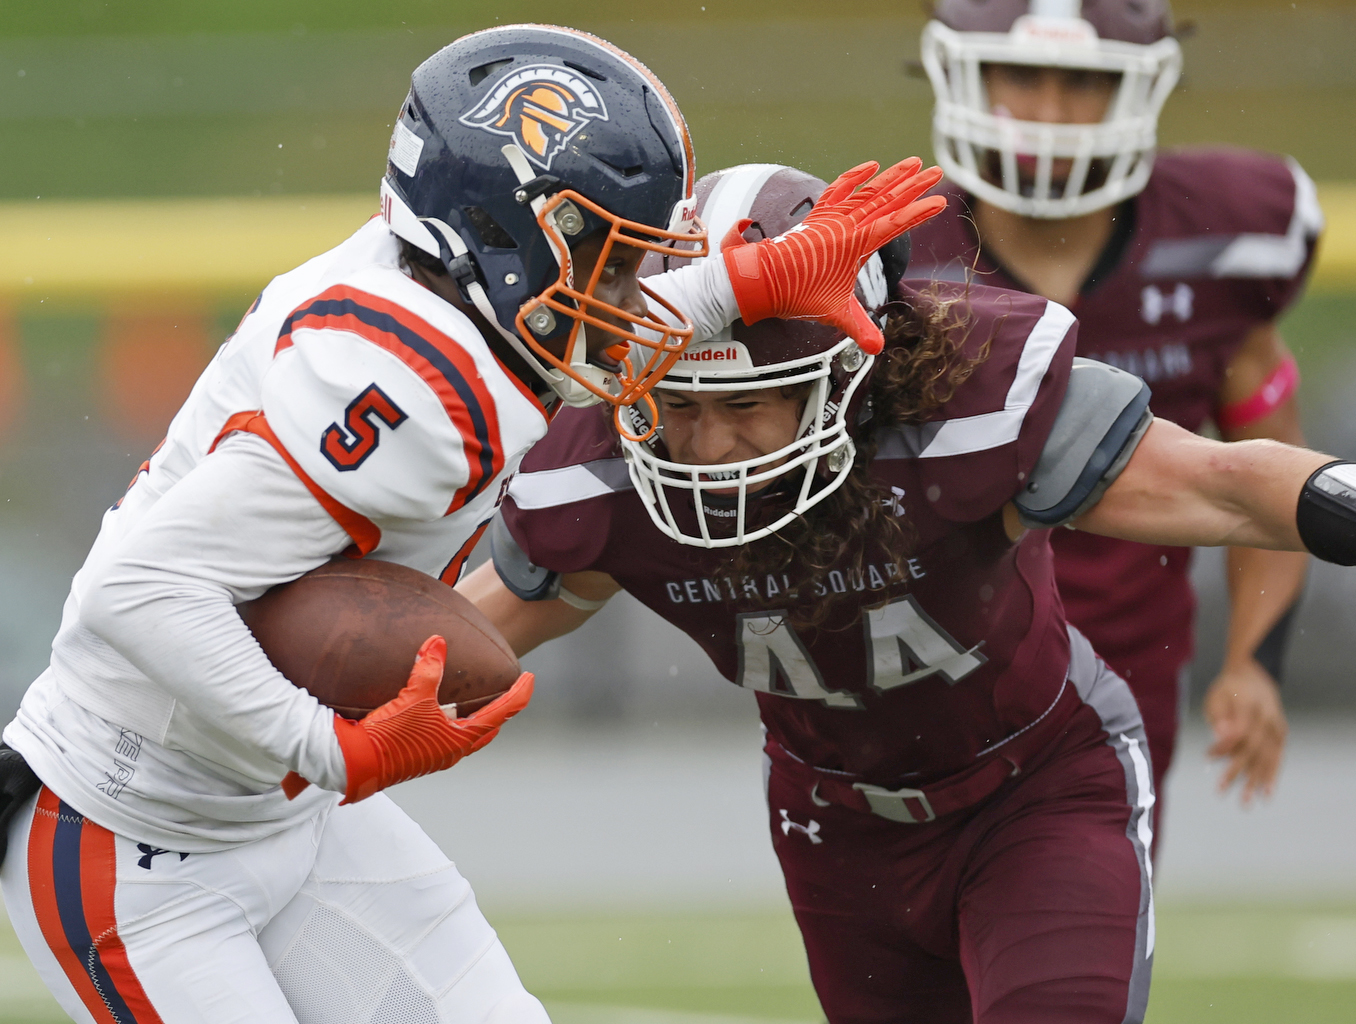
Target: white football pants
<point>352,917</point>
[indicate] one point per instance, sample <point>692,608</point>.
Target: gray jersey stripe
<point>1108,695</point>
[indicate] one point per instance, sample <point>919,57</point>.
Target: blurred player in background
<point>958,788</point>
<point>1177,267</point>
<point>169,859</point>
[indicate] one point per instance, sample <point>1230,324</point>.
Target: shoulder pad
<point>529,582</point>
<point>391,401</point>
<point>1104,414</point>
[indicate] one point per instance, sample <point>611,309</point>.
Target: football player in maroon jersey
<point>958,788</point>
<point>1177,267</point>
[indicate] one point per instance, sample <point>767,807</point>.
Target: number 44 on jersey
<point>903,642</point>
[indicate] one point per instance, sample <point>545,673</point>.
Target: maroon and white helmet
<point>692,503</point>
<point>978,146</point>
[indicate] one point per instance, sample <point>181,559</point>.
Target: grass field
<point>1259,965</point>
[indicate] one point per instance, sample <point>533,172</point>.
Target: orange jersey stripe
<point>366,535</point>
<point>442,363</point>
<point>452,573</point>
<point>98,881</point>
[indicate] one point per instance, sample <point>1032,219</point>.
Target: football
<point>347,632</point>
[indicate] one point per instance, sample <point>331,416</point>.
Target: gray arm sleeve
<point>1099,425</point>
<point>529,582</point>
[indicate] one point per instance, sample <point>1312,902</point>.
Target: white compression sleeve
<point>237,524</point>
<point>702,291</point>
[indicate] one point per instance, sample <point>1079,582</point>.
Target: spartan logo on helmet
<point>540,107</point>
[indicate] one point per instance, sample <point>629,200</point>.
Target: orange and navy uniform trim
<point>145,467</point>
<point>72,877</point>
<point>443,364</point>
<point>364,533</point>
<point>452,572</point>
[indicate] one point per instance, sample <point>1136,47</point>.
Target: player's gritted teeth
<point>729,427</point>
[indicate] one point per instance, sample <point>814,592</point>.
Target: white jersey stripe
<point>731,197</point>
<point>1258,255</point>
<point>979,433</point>
<point>552,487</point>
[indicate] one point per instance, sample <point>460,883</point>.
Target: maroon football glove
<point>809,272</point>
<point>411,735</point>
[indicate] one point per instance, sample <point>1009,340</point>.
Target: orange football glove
<point>411,735</point>
<point>809,272</point>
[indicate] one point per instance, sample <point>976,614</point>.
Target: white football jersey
<point>352,411</point>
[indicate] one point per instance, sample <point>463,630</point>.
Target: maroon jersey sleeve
<point>1247,218</point>
<point>560,506</point>
<point>976,452</point>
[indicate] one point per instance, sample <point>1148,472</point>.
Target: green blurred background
<point>293,98</point>
<point>194,98</point>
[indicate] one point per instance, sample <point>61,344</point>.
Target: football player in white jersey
<point>169,858</point>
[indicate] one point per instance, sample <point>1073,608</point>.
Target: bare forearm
<point>1190,491</point>
<point>1262,586</point>
<point>526,625</point>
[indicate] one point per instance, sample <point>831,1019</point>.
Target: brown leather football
<point>348,632</point>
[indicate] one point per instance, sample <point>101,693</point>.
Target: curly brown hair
<point>922,365</point>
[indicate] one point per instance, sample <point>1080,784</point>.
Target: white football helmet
<point>978,147</point>
<point>684,500</point>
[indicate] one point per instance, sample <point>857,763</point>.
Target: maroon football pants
<point>1033,907</point>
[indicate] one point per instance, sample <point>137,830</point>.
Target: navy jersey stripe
<point>71,908</point>
<point>415,342</point>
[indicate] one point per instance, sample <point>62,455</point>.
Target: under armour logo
<point>151,852</point>
<point>811,830</point>
<point>1154,303</point>
<point>895,503</point>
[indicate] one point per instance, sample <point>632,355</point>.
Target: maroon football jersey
<point>1219,242</point>
<point>945,654</point>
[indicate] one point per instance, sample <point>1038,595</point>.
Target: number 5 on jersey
<point>348,446</point>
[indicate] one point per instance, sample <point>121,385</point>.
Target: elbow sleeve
<point>1326,514</point>
<point>528,582</point>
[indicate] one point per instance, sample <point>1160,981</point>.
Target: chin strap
<point>571,392</point>
<point>428,232</point>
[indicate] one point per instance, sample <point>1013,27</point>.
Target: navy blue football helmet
<point>514,144</point>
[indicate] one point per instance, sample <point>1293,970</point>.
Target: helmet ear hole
<point>597,76</point>
<point>894,259</point>
<point>489,229</point>
<point>654,110</point>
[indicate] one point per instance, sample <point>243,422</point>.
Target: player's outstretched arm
<point>528,624</point>
<point>1182,489</point>
<point>809,272</point>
